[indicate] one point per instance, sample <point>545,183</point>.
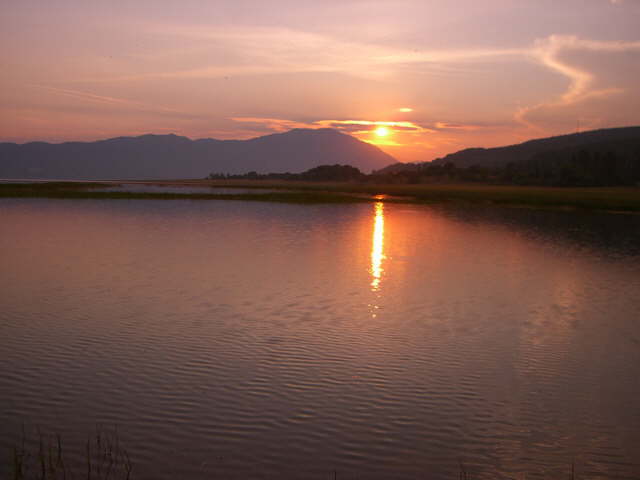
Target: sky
<point>440,76</point>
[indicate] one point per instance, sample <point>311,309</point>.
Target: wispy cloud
<point>90,97</point>
<point>273,50</point>
<point>358,124</point>
<point>552,53</point>
<point>456,126</point>
<point>274,124</point>
<point>350,126</point>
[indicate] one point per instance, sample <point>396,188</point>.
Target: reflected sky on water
<point>259,340</point>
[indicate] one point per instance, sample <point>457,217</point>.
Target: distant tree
<point>333,173</point>
<point>216,176</point>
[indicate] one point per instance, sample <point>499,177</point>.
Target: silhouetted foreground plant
<point>104,459</point>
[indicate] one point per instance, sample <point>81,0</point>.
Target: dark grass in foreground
<point>621,199</point>
<point>103,459</point>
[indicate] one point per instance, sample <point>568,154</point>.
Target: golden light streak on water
<point>377,247</point>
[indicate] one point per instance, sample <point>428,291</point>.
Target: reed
<point>619,199</point>
<point>104,458</point>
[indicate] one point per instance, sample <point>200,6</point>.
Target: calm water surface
<point>257,340</point>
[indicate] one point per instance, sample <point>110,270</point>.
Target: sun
<point>382,131</point>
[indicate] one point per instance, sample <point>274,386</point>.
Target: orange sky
<point>439,75</point>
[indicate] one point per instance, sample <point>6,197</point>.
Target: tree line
<point>603,164</point>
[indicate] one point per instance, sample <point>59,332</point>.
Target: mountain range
<point>613,153</point>
<point>176,157</point>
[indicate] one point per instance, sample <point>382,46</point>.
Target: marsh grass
<point>619,199</point>
<point>593,198</point>
<point>104,458</point>
<point>42,190</point>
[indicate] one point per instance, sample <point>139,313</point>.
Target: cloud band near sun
<point>385,133</point>
<point>367,130</point>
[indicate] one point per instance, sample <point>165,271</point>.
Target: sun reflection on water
<point>377,247</point>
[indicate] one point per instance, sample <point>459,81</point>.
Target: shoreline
<point>607,199</point>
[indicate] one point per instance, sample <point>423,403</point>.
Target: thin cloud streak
<point>275,124</point>
<point>280,124</point>
<point>548,52</point>
<point>107,100</point>
<point>264,51</point>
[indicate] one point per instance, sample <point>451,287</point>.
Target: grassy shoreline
<point>613,199</point>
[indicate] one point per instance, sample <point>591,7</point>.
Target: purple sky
<point>441,75</point>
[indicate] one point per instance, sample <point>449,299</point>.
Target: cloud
<point>399,126</point>
<point>105,100</point>
<point>349,126</point>
<point>592,76</point>
<point>273,124</point>
<point>455,126</point>
<point>240,51</point>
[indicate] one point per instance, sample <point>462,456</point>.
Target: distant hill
<point>175,157</point>
<point>501,156</point>
<point>597,158</point>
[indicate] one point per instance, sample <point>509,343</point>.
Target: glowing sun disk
<point>382,131</point>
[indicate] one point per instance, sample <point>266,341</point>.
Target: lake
<point>241,340</point>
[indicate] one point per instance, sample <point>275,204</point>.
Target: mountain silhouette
<point>622,141</point>
<point>175,157</point>
<point>500,156</point>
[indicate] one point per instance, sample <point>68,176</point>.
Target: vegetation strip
<point>609,199</point>
<point>290,197</point>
